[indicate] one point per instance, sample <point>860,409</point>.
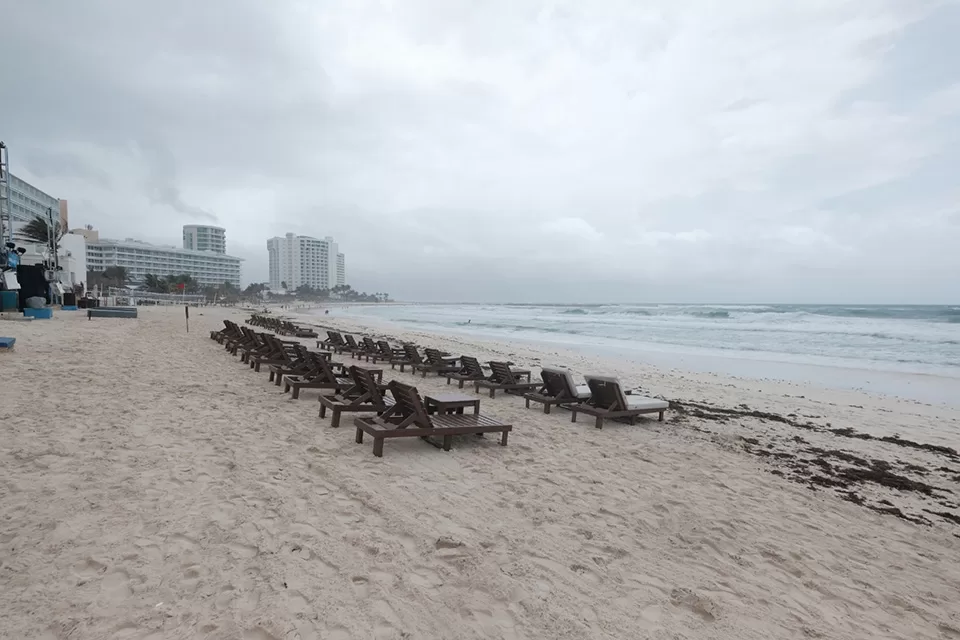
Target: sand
<point>151,486</point>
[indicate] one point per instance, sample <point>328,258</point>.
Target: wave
<point>577,312</point>
<point>711,314</point>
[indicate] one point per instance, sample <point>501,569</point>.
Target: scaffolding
<point>124,295</point>
<point>6,227</point>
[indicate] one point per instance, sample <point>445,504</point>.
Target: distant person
<point>468,321</point>
<point>326,312</point>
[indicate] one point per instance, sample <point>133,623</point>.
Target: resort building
<point>27,202</point>
<point>198,237</point>
<point>209,268</point>
<point>299,260</point>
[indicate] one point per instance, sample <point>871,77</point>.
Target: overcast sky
<point>505,150</point>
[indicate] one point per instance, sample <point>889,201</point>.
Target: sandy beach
<point>152,486</point>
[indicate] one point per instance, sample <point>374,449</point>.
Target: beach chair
<point>503,379</point>
<point>559,387</point>
<point>408,418</point>
<point>350,346</point>
<point>608,400</point>
<point>300,364</point>
<point>333,339</point>
<point>324,378</point>
<point>437,362</point>
<point>279,354</point>
<point>384,353</point>
<point>257,346</point>
<point>364,396</point>
<point>470,371</point>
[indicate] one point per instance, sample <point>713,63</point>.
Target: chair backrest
<point>502,373</point>
<point>607,392</point>
<point>367,384</point>
<point>412,353</point>
<point>409,404</point>
<point>471,366</point>
<point>384,347</point>
<point>324,370</point>
<point>351,341</point>
<point>369,344</point>
<point>557,383</point>
<point>334,338</point>
<point>434,356</point>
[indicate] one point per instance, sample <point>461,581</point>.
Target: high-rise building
<point>208,268</point>
<point>199,237</point>
<point>299,260</point>
<point>27,202</point>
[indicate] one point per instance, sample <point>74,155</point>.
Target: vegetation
<point>38,230</point>
<point>340,292</point>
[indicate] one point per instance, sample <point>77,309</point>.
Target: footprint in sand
<point>116,585</point>
<point>89,568</point>
<point>361,586</point>
<point>425,579</point>
<point>703,607</point>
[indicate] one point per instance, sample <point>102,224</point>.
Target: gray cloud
<point>513,150</point>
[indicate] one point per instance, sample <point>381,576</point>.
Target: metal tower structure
<point>6,226</point>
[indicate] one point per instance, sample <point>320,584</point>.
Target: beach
<point>152,486</point>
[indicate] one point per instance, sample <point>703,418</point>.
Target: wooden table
<point>451,402</point>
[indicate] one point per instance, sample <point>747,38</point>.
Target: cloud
<point>671,150</point>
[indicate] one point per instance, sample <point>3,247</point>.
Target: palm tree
<point>116,275</point>
<point>38,230</point>
<point>154,283</point>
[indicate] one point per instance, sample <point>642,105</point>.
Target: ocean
<point>903,339</point>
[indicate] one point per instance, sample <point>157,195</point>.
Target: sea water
<point>819,342</point>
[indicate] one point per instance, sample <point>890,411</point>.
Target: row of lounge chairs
<point>403,413</point>
<point>601,397</point>
<point>283,327</point>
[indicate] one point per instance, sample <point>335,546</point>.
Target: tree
<point>38,230</point>
<point>116,276</point>
<point>190,285</point>
<point>283,284</point>
<point>155,284</point>
<point>254,289</point>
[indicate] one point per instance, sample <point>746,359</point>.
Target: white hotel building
<point>208,268</point>
<point>299,260</point>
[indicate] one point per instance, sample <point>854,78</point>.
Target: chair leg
<point>599,422</point>
<point>461,384</point>
<point>296,392</point>
<point>323,410</point>
<point>493,392</point>
<point>574,416</point>
<point>503,438</point>
<point>527,401</point>
<point>447,440</point>
<point>546,407</point>
<point>335,419</point>
<point>660,419</point>
<point>359,437</point>
<point>378,447</point>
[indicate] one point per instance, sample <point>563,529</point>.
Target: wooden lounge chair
<point>608,400</point>
<point>437,362</point>
<point>325,378</point>
<point>559,387</point>
<point>384,353</point>
<point>333,339</point>
<point>279,354</point>
<point>300,364</point>
<point>504,379</point>
<point>350,346</point>
<point>408,418</point>
<point>470,371</point>
<point>364,396</point>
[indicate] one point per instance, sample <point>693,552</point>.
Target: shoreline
<point>166,490</point>
<point>934,386</point>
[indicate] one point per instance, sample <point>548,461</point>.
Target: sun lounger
<point>503,379</point>
<point>279,354</point>
<point>408,418</point>
<point>608,400</point>
<point>559,387</point>
<point>325,378</point>
<point>333,339</point>
<point>437,363</point>
<point>300,364</point>
<point>470,371</point>
<point>364,396</point>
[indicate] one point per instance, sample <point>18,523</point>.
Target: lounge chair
<point>503,379</point>
<point>364,396</point>
<point>301,364</point>
<point>350,346</point>
<point>279,354</point>
<point>408,418</point>
<point>470,371</point>
<point>437,362</point>
<point>333,339</point>
<point>324,378</point>
<point>608,400</point>
<point>559,387</point>
<point>385,353</point>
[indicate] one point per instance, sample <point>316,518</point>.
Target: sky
<point>513,150</point>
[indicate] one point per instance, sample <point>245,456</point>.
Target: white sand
<point>166,491</point>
